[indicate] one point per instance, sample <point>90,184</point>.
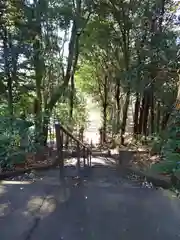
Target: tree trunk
<point>140,123</point>
<point>118,107</point>
<point>38,63</point>
<point>136,115</point>
<point>152,111</point>
<point>7,71</point>
<point>105,105</point>
<point>104,122</point>
<point>74,65</point>
<point>125,111</point>
<point>71,100</point>
<point>46,121</point>
<point>165,119</point>
<point>158,117</point>
<point>69,70</point>
<point>146,113</point>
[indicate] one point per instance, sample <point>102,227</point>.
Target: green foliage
<point>11,133</point>
<point>123,46</point>
<point>35,67</point>
<point>157,142</point>
<point>156,145</point>
<point>171,149</point>
<point>80,115</point>
<point>86,79</point>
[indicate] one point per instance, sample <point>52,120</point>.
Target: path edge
<point>5,175</point>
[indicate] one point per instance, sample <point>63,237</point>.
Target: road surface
<point>102,206</point>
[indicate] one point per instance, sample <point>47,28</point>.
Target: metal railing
<point>74,148</point>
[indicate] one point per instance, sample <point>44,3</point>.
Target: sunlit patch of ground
<point>40,206</point>
<point>71,162</point>
<point>4,209</point>
<point>34,203</point>
<point>3,190</point>
<point>15,182</point>
<point>94,161</point>
<point>102,161</point>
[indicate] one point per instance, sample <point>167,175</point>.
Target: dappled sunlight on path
<point>100,206</point>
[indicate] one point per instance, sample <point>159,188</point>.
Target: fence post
<point>59,145</point>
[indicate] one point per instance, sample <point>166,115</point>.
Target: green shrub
<point>11,133</point>
<point>170,150</point>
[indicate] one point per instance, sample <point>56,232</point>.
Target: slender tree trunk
<point>125,111</point>
<point>146,113</point>
<point>14,59</point>
<point>158,117</point>
<point>140,123</point>
<point>71,100</point>
<point>45,133</point>
<point>71,107</point>
<point>136,115</point>
<point>46,121</point>
<point>8,71</point>
<point>118,107</point>
<point>152,111</point>
<point>38,62</point>
<point>105,105</point>
<point>10,96</point>
<point>165,119</point>
<point>137,103</point>
<point>74,65</point>
<point>104,121</point>
<point>69,70</point>
<point>72,92</point>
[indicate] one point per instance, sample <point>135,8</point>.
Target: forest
<point>122,53</point>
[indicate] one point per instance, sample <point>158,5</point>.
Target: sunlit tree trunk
<point>152,111</point>
<point>146,113</point>
<point>105,105</point>
<point>118,107</point>
<point>136,115</point>
<point>124,120</point>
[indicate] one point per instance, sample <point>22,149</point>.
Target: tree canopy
<point>54,54</point>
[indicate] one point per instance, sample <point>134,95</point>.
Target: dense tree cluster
<point>123,53</point>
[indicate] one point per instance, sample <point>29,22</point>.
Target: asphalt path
<point>102,205</point>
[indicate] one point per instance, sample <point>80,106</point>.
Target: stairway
<point>91,133</point>
<point>95,200</point>
<point>101,205</point>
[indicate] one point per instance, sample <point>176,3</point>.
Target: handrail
<point>73,137</point>
<point>86,153</point>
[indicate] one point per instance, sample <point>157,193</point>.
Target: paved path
<point>102,206</point>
